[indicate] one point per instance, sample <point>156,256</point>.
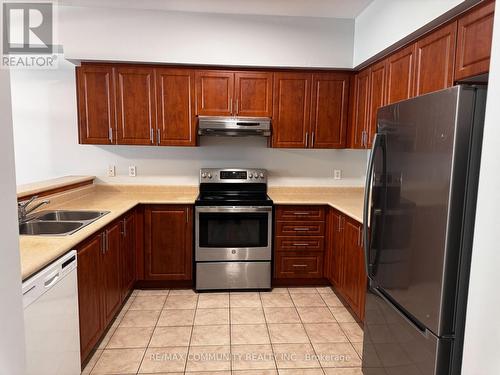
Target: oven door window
<point>233,230</point>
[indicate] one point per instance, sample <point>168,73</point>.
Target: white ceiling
<point>297,8</point>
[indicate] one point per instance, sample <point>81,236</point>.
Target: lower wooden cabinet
<point>345,266</point>
<point>128,252</point>
<point>168,231</point>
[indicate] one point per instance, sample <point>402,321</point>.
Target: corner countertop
<point>39,251</point>
<point>55,183</point>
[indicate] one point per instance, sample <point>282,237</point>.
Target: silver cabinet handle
<point>231,105</point>
<point>299,265</point>
<point>237,107</point>
<point>301,213</point>
<point>301,229</point>
<point>312,139</point>
<point>151,135</point>
<point>110,135</point>
<point>158,135</point>
<point>307,139</point>
<point>300,244</point>
<point>103,247</point>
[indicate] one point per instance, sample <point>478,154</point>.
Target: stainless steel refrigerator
<point>422,178</point>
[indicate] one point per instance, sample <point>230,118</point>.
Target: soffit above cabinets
<point>293,8</point>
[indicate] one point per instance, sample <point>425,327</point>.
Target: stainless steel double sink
<point>58,222</point>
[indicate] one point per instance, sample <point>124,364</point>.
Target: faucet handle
<point>27,202</point>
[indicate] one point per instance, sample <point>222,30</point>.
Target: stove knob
<point>261,175</point>
<point>203,175</point>
<point>210,175</point>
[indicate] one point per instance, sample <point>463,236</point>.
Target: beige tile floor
<point>290,331</point>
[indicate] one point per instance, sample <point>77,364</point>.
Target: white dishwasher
<point>50,300</point>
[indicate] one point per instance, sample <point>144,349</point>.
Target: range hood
<point>234,126</point>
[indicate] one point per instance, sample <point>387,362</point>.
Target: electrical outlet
<point>337,174</point>
<point>111,171</point>
<point>132,171</point>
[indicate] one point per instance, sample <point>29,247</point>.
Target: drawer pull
<point>301,229</point>
<point>300,244</point>
<point>301,213</point>
<point>300,265</point>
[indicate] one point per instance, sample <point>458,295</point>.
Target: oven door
<point>233,233</point>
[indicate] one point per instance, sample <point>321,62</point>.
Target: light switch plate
<point>337,174</point>
<point>132,171</point>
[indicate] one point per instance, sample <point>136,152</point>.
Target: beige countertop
<point>38,251</point>
<point>55,183</point>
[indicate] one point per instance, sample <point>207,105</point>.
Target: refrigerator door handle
<point>366,205</point>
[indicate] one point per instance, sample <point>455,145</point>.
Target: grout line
<point>269,333</point>
<point>191,335</point>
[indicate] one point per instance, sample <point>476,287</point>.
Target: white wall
<point>204,38</point>
<point>385,22</point>
<point>482,331</point>
<point>46,144</point>
<point>11,315</point>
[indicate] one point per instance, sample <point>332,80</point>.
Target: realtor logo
<point>28,36</point>
<point>27,28</point>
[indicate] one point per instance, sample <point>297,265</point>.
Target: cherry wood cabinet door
<point>253,94</point>
<point>435,60</point>
<point>330,97</point>
<point>475,31</point>
<point>90,289</point>
<point>354,280</point>
<point>336,249</point>
<point>291,110</point>
<point>360,109</point>
<point>400,75</point>
<point>127,252</point>
<point>176,107</point>
<point>96,104</point>
<point>111,271</point>
<point>168,242</point>
<point>136,109</point>
<point>376,99</point>
<point>214,92</point>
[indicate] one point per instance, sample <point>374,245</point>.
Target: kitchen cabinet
<point>96,104</point>
<point>345,268</point>
<point>376,99</point>
<point>136,108</point>
<point>214,92</point>
<point>90,291</point>
<point>329,109</point>
<point>474,37</point>
<point>299,242</point>
<point>176,107</point>
<point>111,270</point>
<point>360,109</point>
<point>400,73</point>
<point>435,60</point>
<point>253,94</point>
<point>168,242</point>
<point>291,110</point>
<point>128,253</point>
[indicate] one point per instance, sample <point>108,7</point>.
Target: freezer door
<point>394,345</point>
<point>420,168</point>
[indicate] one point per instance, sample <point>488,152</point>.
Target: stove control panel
<point>208,175</point>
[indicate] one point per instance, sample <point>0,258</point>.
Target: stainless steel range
<point>233,230</point>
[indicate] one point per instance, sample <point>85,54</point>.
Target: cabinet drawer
<point>299,266</point>
<point>291,228</point>
<point>294,213</point>
<point>300,244</point>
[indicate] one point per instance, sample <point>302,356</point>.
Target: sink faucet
<point>23,210</point>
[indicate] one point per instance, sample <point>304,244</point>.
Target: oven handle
<point>231,209</point>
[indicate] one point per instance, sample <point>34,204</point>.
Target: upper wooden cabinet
<point>377,99</point>
<point>214,92</point>
<point>310,110</point>
<point>329,108</point>
<point>475,30</point>
<point>176,107</point>
<point>96,104</point>
<point>435,60</point>
<point>168,242</point>
<point>360,109</point>
<point>229,93</point>
<point>400,73</point>
<point>136,111</point>
<point>291,110</point>
<point>253,95</point>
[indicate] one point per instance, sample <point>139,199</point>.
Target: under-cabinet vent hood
<point>234,126</point>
